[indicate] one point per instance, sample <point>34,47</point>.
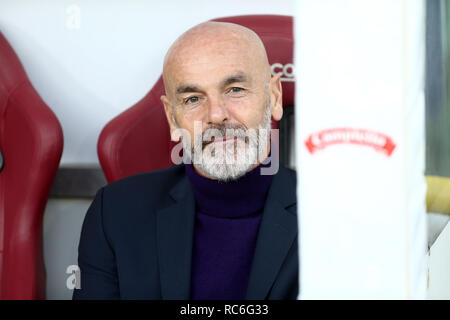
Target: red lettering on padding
<point>322,139</point>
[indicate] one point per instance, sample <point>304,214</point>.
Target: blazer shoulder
<point>289,173</point>
<point>152,184</point>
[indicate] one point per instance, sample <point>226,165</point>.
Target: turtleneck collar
<point>239,198</point>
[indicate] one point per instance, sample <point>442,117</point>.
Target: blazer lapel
<point>174,231</point>
<point>277,232</point>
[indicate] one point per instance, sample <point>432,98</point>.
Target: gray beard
<point>231,160</point>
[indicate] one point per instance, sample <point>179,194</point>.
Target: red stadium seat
<point>138,139</point>
<point>31,143</point>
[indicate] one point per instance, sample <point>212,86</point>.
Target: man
<point>217,226</point>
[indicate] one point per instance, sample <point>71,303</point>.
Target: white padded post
<point>360,148</point>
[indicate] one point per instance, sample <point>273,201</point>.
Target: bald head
<point>212,43</point>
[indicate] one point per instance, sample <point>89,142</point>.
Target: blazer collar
<point>175,234</point>
<point>277,232</point>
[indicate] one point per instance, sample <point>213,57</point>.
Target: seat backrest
<point>138,140</point>
<point>31,143</point>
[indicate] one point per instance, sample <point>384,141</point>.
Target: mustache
<point>218,131</point>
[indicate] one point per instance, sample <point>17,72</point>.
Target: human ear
<point>276,97</point>
<point>174,131</point>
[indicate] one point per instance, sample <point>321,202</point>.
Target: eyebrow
<point>237,77</point>
<point>187,88</point>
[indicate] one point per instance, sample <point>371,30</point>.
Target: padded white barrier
<point>360,149</point>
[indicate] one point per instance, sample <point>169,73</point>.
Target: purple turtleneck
<point>227,220</point>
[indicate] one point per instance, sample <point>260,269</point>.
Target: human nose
<point>217,111</point>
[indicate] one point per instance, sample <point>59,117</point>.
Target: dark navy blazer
<point>137,236</point>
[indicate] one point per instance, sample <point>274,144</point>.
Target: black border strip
<point>77,182</point>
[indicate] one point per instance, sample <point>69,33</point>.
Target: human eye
<point>236,91</point>
<point>191,100</point>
